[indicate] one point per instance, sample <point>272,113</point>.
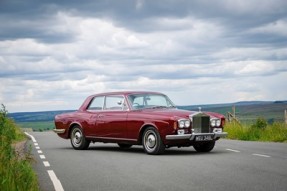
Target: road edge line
<point>31,136</point>
<point>56,182</point>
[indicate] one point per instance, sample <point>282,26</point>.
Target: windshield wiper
<point>157,107</point>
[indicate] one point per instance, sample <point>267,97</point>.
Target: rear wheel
<point>204,146</point>
<point>152,142</point>
<point>78,140</point>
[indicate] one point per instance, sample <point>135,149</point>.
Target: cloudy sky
<point>53,54</point>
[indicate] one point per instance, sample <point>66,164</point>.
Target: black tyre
<point>204,146</point>
<point>124,146</point>
<point>152,142</point>
<point>78,140</point>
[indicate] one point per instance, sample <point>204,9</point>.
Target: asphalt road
<point>232,165</point>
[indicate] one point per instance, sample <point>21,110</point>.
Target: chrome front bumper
<point>193,135</point>
<point>59,131</point>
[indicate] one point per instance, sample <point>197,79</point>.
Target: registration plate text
<point>203,138</point>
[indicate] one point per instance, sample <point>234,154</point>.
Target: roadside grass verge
<point>37,125</point>
<point>16,172</point>
<point>258,131</point>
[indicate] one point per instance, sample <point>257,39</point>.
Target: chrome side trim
<point>193,135</point>
<point>110,138</point>
<point>59,131</point>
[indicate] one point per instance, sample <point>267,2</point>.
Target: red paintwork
<point>124,126</point>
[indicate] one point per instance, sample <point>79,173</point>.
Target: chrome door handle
<point>101,116</point>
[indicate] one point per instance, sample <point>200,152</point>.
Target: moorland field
<point>246,112</point>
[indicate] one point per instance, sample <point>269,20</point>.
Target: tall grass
<point>15,173</point>
<point>37,125</point>
<point>258,131</point>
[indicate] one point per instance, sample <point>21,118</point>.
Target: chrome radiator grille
<point>200,123</point>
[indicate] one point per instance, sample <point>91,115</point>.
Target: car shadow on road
<point>140,150</point>
<point>175,151</point>
<point>112,148</point>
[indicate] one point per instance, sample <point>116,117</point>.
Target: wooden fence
<point>232,116</point>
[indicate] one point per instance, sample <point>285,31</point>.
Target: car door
<point>94,111</point>
<point>113,118</point>
<point>107,117</point>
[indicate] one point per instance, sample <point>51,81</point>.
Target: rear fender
<point>72,125</point>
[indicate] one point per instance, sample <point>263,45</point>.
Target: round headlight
<point>187,123</point>
<point>218,122</point>
<point>181,124</point>
<point>213,122</point>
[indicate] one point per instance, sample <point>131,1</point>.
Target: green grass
<point>275,132</point>
<point>38,125</point>
<point>15,173</point>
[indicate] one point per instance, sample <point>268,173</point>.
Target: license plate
<point>203,138</point>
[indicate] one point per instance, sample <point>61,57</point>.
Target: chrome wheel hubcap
<point>150,140</point>
<point>77,138</point>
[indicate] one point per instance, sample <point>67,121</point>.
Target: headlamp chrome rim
<point>187,123</point>
<point>218,122</point>
<point>215,122</point>
<point>184,123</point>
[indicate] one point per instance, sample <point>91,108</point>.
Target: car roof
<point>125,93</point>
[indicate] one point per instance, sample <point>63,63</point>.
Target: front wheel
<point>78,140</point>
<point>152,142</point>
<point>204,146</point>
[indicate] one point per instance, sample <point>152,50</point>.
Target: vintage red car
<point>139,118</point>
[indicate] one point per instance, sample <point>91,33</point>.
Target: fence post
<point>233,111</point>
<point>285,116</point>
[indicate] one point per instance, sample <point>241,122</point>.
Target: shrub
<point>277,132</point>
<point>15,173</point>
<point>260,123</point>
<point>259,131</point>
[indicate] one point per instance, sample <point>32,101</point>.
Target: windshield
<point>140,101</point>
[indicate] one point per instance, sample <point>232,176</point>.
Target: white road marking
<point>260,155</point>
<point>46,163</point>
<point>56,182</point>
<point>236,151</point>
<point>31,136</point>
<point>42,156</point>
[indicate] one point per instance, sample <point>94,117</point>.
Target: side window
<point>97,104</point>
<point>157,101</point>
<point>138,101</point>
<point>116,103</point>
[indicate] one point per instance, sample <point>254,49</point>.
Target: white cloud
<point>139,4</point>
<point>22,47</point>
<point>278,27</point>
<point>194,58</point>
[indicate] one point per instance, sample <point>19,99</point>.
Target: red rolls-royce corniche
<point>139,118</point>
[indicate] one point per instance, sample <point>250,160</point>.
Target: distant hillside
<point>36,116</point>
<point>245,111</point>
